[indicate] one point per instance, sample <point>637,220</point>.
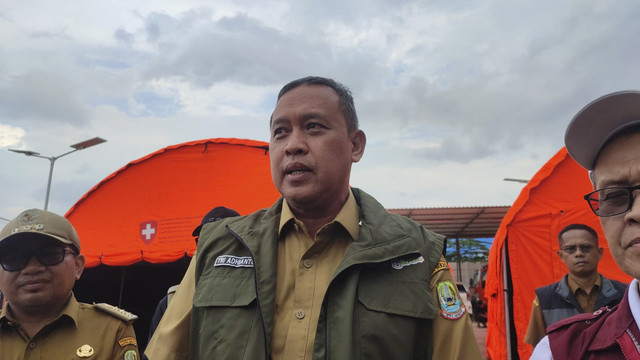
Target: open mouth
<point>296,169</point>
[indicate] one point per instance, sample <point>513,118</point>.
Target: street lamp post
<point>79,146</point>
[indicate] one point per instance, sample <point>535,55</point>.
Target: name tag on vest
<point>234,261</point>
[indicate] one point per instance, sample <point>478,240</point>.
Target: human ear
<point>358,143</point>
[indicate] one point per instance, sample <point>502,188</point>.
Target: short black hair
<point>584,227</point>
<point>347,106</point>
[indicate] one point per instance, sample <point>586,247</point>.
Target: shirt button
<point>32,345</point>
<point>300,314</point>
<point>307,263</point>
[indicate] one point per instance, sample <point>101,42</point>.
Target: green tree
<point>471,250</point>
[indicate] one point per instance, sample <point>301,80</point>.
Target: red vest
<point>608,333</point>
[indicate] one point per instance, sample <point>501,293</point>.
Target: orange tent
<point>528,237</point>
<point>135,225</point>
<point>148,209</point>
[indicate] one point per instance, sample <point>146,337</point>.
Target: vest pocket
<point>225,290</point>
<point>226,317</point>
<point>394,319</point>
<point>399,297</point>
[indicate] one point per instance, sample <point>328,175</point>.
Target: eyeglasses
<point>17,261</point>
<point>585,249</point>
<point>611,201</point>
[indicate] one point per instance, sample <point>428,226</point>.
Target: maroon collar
<point>614,325</point>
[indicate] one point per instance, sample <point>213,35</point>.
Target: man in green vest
<point>326,272</point>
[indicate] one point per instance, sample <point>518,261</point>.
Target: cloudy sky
<point>454,95</point>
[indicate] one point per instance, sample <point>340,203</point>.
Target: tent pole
<point>121,287</point>
<point>458,261</point>
<point>506,300</point>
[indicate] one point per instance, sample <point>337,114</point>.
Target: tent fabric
<point>147,210</point>
<point>551,200</point>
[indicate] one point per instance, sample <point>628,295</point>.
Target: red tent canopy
<point>148,209</point>
<point>528,233</point>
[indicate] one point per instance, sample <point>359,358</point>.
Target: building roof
<point>458,222</point>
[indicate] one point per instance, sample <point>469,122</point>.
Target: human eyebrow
<point>278,121</point>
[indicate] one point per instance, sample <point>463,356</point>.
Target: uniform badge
<point>399,263</point>
<point>442,265</point>
<point>129,340</point>
<point>450,305</point>
<point>84,351</point>
<point>131,355</point>
<point>234,261</point>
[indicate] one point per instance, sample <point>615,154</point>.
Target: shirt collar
<point>70,310</point>
<point>634,300</point>
<point>574,287</point>
<point>348,216</point>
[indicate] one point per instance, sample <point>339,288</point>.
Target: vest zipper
<point>255,285</point>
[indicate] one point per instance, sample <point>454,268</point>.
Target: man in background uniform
<point>41,260</point>
<point>582,290</point>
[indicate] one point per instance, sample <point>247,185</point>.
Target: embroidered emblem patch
<point>127,341</point>
<point>450,305</point>
<point>130,355</point>
<point>399,263</point>
<point>442,265</point>
<point>234,261</point>
<point>28,220</point>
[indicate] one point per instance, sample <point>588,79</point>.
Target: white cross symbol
<point>148,231</point>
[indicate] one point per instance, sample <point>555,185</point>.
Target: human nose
<point>633,215</point>
<point>33,266</point>
<point>296,143</point>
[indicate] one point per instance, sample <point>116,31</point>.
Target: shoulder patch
<point>451,307</point>
<point>129,340</point>
<point>115,311</point>
<point>442,265</point>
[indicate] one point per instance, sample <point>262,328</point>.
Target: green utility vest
<point>371,310</point>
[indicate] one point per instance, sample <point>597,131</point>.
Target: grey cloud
<point>500,88</point>
<point>42,96</point>
<point>124,37</point>
<point>242,49</point>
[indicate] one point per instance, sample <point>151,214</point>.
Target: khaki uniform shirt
<point>303,278</point>
<point>80,332</point>
<point>307,269</point>
<point>538,327</point>
<point>172,336</point>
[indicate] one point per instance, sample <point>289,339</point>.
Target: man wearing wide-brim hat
<point>40,261</point>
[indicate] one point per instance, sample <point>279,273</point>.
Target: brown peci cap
<point>42,223</point>
<point>599,122</point>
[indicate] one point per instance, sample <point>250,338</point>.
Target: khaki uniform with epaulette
<point>40,260</point>
<point>82,331</point>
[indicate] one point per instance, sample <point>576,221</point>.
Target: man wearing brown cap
<point>604,137</point>
<point>40,261</point>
